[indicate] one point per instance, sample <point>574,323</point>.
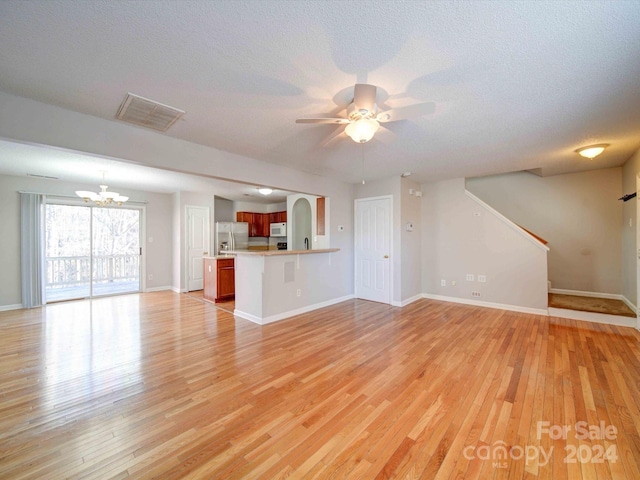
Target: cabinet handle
<point>386,256</point>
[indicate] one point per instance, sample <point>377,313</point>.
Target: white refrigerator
<point>231,236</point>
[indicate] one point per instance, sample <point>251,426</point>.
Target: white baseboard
<point>5,308</point>
<point>629,304</point>
<point>178,290</point>
<point>159,289</point>
<point>290,313</point>
<point>247,316</point>
<point>593,317</point>
<point>477,303</point>
<point>610,296</point>
<point>406,301</point>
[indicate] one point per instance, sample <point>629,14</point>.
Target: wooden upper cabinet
<point>320,215</point>
<point>243,217</point>
<point>278,217</point>
<point>258,223</point>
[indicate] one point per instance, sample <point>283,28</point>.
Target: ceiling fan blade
<point>337,133</point>
<point>403,113</point>
<point>338,121</point>
<point>364,97</point>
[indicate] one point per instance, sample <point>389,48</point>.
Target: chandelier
<point>102,198</point>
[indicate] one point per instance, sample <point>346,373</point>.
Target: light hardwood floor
<point>166,385</point>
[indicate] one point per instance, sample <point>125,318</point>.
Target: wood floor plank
<point>165,385</point>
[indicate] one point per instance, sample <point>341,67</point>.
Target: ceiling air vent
<point>147,113</point>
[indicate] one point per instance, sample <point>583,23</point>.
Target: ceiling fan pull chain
<point>362,163</point>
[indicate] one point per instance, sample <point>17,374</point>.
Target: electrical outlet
<point>453,283</point>
<point>469,277</point>
<point>443,283</point>
<point>298,292</point>
<point>476,294</point>
<point>482,278</point>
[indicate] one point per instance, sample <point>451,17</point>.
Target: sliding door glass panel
<point>116,251</point>
<point>67,252</point>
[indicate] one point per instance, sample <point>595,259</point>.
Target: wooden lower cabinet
<point>219,279</point>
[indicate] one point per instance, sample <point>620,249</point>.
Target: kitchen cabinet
<point>320,213</point>
<point>256,223</point>
<point>219,279</point>
<point>278,217</point>
<point>259,223</point>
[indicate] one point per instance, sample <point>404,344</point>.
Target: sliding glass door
<point>91,251</point>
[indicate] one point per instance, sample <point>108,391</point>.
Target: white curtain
<point>32,217</point>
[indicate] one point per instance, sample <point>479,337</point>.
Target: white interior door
<point>373,249</point>
<point>197,245</point>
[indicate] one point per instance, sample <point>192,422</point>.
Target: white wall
<point>41,124</point>
<point>460,236</point>
<point>411,241</point>
<point>158,213</point>
<point>578,214</point>
<point>223,210</point>
<point>630,170</point>
<point>258,207</point>
<point>267,286</point>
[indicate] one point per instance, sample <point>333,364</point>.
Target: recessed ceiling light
<point>265,191</point>
<point>592,151</point>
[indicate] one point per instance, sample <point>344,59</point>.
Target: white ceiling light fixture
<point>362,130</point>
<point>265,191</point>
<point>102,198</point>
<point>592,151</point>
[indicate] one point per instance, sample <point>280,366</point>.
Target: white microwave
<point>278,230</point>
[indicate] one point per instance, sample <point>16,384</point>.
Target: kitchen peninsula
<point>276,284</point>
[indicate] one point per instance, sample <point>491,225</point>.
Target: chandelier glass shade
<point>362,130</point>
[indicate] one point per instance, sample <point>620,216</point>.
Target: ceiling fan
<point>364,119</point>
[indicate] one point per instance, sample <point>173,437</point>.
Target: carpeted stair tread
<point>590,304</point>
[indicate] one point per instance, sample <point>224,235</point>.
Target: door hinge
<point>140,250</point>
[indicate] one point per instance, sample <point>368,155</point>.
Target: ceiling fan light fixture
<point>592,151</point>
<point>265,191</point>
<point>362,130</point>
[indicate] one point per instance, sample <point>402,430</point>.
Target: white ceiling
<point>20,159</point>
<point>517,84</point>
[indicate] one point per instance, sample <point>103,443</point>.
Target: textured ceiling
<point>517,85</point>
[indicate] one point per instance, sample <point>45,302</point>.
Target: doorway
<point>91,251</point>
<point>198,242</point>
<point>301,224</point>
<point>373,249</point>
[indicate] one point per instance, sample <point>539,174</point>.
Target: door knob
<point>386,256</point>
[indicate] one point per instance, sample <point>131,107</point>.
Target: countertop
<point>269,253</point>
<point>218,257</point>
